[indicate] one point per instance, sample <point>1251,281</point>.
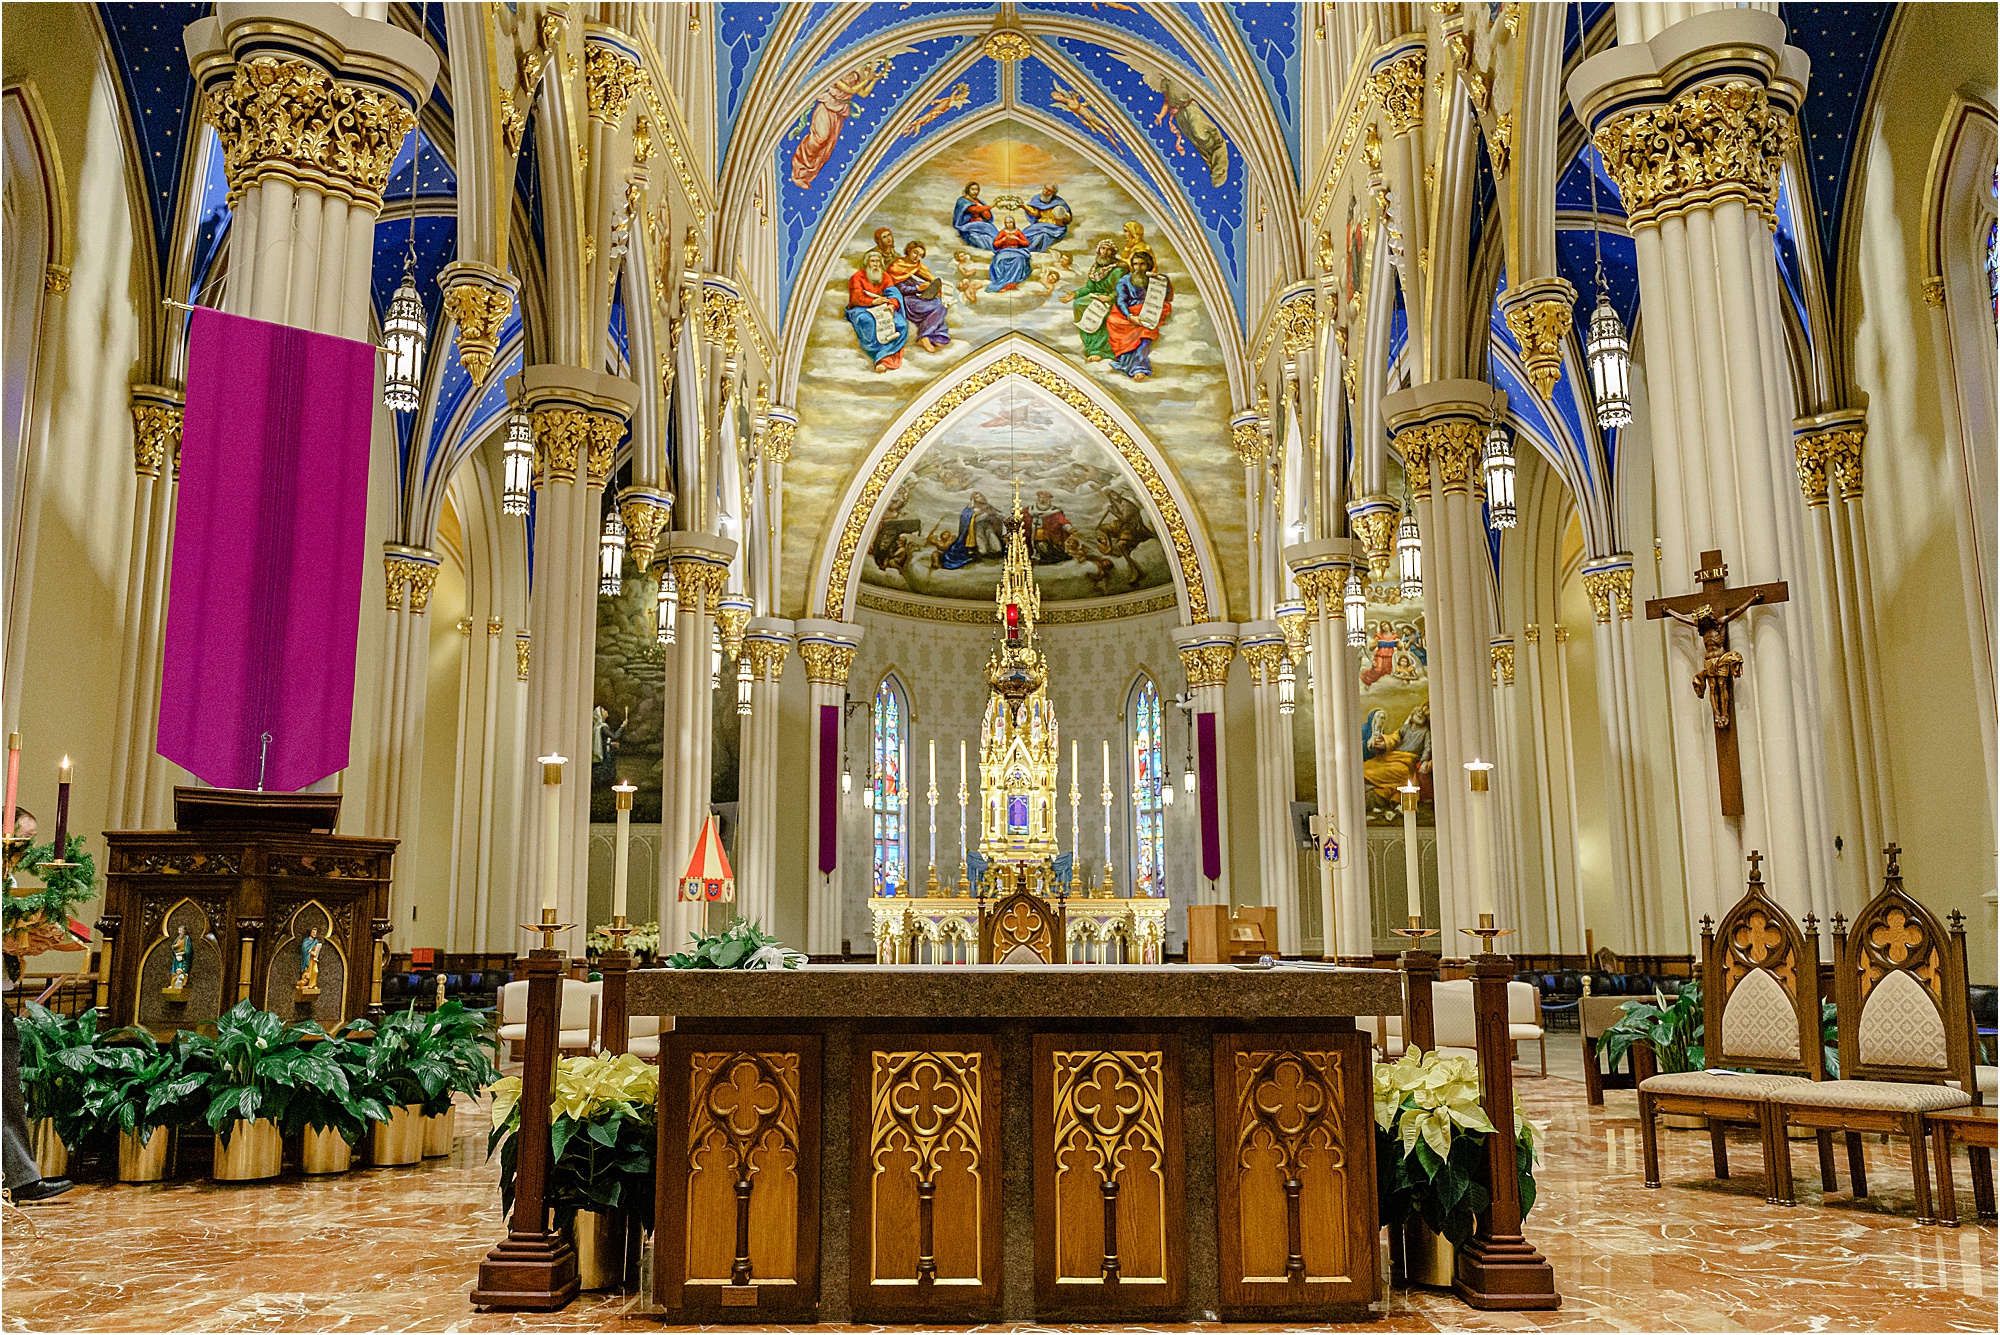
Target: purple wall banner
<point>264,606</point>
<point>1211,809</point>
<point>829,788</point>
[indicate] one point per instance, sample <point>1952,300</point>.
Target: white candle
<point>1412,875</point>
<point>552,772</point>
<point>933,766</point>
<point>1107,764</point>
<point>621,866</point>
<point>1476,772</point>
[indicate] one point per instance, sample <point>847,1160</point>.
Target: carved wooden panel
<point>166,1009</point>
<point>1023,928</point>
<point>1110,1191</point>
<point>285,966</point>
<point>925,1199</point>
<point>737,1218</point>
<point>1774,1028</point>
<point>1295,1172</point>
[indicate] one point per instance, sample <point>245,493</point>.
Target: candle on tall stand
<point>13,780</point>
<point>1412,870</point>
<point>1075,800</point>
<point>552,775</point>
<point>931,882</point>
<point>1106,797</point>
<point>964,795</point>
<point>60,848</point>
<point>1477,773</point>
<point>621,865</point>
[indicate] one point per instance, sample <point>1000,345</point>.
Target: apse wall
<point>1944,816</point>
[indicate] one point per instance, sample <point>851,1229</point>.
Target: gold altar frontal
<point>945,930</point>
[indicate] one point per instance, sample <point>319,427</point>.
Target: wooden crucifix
<point>1709,613</point>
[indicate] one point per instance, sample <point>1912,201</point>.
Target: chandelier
<point>517,472</point>
<point>1410,557</point>
<point>1287,688</point>
<point>1498,462</point>
<point>1605,345</point>
<point>403,332</point>
<point>611,555</point>
<point>743,687</point>
<point>669,607</point>
<point>1355,604</point>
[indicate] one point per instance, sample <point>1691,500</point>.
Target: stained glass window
<point>1148,774</point>
<point>890,753</point>
<point>1993,253</point>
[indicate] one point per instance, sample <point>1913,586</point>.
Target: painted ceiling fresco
<point>943,532</point>
<point>1006,230</point>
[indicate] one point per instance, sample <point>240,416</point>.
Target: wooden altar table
<point>968,1144</point>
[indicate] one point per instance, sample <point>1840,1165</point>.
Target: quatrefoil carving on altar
<point>1290,1099</point>
<point>1108,1099</point>
<point>927,1101</point>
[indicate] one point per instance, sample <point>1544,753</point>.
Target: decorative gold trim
<point>645,517</point>
<point>1503,664</point>
<point>1181,538</point>
<point>1715,142</point>
<point>1206,664</point>
<point>981,614</point>
<point>1006,45</point>
<point>277,116</point>
<point>478,310</point>
<point>55,279</point>
<point>611,78</point>
<point>1608,586</point>
<point>827,663</point>
<point>156,435</point>
<point>561,434</point>
<point>1263,657</point>
<point>1934,292</point>
<point>523,653</point>
<point>1399,87</point>
<point>606,430</point>
<point>1540,324</point>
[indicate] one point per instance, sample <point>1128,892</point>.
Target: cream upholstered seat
<point>1452,1021</point>
<point>576,1025</point>
<point>1905,1033</point>
<point>1720,1084</point>
<point>1987,1080</point>
<point>1878,1094</point>
<point>1524,1017</point>
<point>1760,1009</point>
<point>642,1036</point>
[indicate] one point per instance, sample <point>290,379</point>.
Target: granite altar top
<point>1095,991</point>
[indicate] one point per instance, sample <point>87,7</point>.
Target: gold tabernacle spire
<point>1018,741</point>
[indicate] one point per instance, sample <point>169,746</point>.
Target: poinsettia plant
<point>744,946</point>
<point>643,939</point>
<point>1430,1144</point>
<point>601,1135</point>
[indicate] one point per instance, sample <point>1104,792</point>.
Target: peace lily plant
<point>1430,1142</point>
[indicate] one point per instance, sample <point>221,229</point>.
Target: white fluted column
<point>827,649</point>
<point>1321,569</point>
<point>766,644</point>
<point>701,569</point>
<point>1608,582</point>
<point>1553,812</point>
<point>1205,652</point>
<point>395,786</point>
<point>1263,649</point>
<point>1439,428</point>
<point>1694,124</point>
<point>1506,780</point>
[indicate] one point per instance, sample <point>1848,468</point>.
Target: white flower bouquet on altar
<point>744,945</point>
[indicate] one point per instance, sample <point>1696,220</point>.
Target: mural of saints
<point>1140,305</point>
<point>875,309</point>
<point>1091,300</point>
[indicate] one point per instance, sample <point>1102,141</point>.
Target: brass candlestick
<point>1486,932</point>
<point>617,931</point>
<point>1416,931</point>
<point>548,927</point>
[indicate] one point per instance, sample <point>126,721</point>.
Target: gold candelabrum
<point>1487,933</point>
<point>931,881</point>
<point>1107,890</point>
<point>964,882</point>
<point>549,928</point>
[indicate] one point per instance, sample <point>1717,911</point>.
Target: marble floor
<point>397,1248</point>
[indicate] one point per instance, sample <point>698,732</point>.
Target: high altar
<point>1019,849</point>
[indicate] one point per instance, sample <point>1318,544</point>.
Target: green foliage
<point>744,946</point>
<point>257,1065</point>
<point>411,1056</point>
<point>58,1054</point>
<point>1430,1145</point>
<point>601,1135</point>
<point>63,888</point>
<point>137,1083</point>
<point>1673,1031</point>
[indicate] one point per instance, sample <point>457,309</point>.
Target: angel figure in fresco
<point>1383,654</point>
<point>1087,113</point>
<point>875,309</point>
<point>829,113</point>
<point>1091,300</point>
<point>1134,321</point>
<point>1191,126</point>
<point>1049,216</point>
<point>1011,264</point>
<point>923,296</point>
<point>972,219</point>
<point>971,276</point>
<point>960,94</point>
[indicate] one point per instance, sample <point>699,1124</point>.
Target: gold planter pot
<point>51,1155</point>
<point>324,1152</point>
<point>1428,1258</point>
<point>255,1151</point>
<point>439,1137</point>
<point>400,1140</point>
<point>599,1239</point>
<point>143,1159</point>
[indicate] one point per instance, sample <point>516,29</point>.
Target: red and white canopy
<point>708,879</point>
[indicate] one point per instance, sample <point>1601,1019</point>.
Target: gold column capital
<point>1298,321</point>
<point>285,117</point>
<point>1503,663</point>
<point>1934,291</point>
<point>411,569</point>
<point>1455,444</point>
<point>1206,664</point>
<point>766,658</point>
<point>610,77</point>
<point>524,646</point>
<point>1830,446</point>
<point>1609,586</point>
<point>780,430</point>
<point>1714,142</point>
<point>1373,520</point>
<point>478,300</point>
<point>827,663</point>
<point>1398,84</point>
<point>562,433</point>
<point>645,513</point>
<point>606,430</point>
<point>157,416</point>
<point>494,627</point>
<point>55,280</point>
<point>1246,434</point>
<point>1540,315</point>
<point>1263,657</point>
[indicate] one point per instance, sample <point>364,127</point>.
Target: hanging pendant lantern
<point>1166,794</point>
<point>1498,462</point>
<point>743,687</point>
<point>517,475</point>
<point>611,556</point>
<point>669,610</point>
<point>403,341</point>
<point>1354,603</point>
<point>714,659</point>
<point>1287,688</point>
<point>846,780</point>
<point>1610,354</point>
<point>1410,558</point>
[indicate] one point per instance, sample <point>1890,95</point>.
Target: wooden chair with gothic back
<point>1899,993</point>
<point>1760,1010</point>
<point>1023,928</point>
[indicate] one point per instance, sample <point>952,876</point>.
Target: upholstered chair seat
<point>1888,1095</point>
<point>1723,1084</point>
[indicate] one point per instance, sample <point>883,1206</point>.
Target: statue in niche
<point>177,976</point>
<point>309,950</point>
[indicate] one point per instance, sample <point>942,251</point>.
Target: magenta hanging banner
<point>1211,807</point>
<point>264,605</point>
<point>829,788</point>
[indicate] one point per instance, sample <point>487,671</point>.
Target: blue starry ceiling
<point>1271,31</point>
<point>741,33</point>
<point>1845,43</point>
<point>145,43</point>
<point>1058,96</point>
<point>967,93</point>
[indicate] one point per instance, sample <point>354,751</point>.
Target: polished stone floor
<point>397,1248</point>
